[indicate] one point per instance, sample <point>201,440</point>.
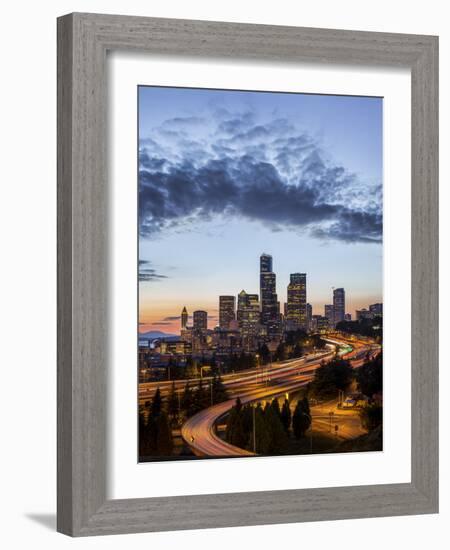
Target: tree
<point>276,407</point>
<point>235,431</point>
<point>187,401</point>
<point>301,419</point>
<point>238,437</point>
<point>164,442</point>
<point>370,376</point>
<point>156,404</point>
<point>297,351</point>
<point>264,354</point>
<point>286,415</point>
<point>371,416</point>
<point>280,354</point>
<point>277,435</point>
<point>262,434</point>
<point>202,398</point>
<point>172,403</point>
<point>238,405</point>
<point>218,389</point>
<point>147,435</point>
<point>331,377</point>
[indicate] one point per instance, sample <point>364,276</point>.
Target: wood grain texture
<point>83,40</point>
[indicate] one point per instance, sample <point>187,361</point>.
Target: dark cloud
<point>269,173</point>
<point>148,273</point>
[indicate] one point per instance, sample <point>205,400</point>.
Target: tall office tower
<point>200,321</point>
<point>339,305</point>
<point>308,315</point>
<point>241,304</point>
<point>265,263</point>
<point>184,318</point>
<point>270,309</point>
<point>296,316</point>
<point>226,311</point>
<point>329,314</point>
<point>248,316</point>
<point>376,309</point>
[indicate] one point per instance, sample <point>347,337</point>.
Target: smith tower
<point>184,318</point>
<point>270,314</point>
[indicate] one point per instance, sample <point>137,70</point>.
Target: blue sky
<point>226,175</point>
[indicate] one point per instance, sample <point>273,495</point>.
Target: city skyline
<point>296,307</point>
<point>226,175</point>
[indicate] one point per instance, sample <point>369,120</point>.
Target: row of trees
<point>373,328</point>
<point>338,374</point>
<point>155,433</point>
<point>159,417</point>
<point>267,430</point>
<point>370,376</point>
<point>331,377</point>
<point>294,345</point>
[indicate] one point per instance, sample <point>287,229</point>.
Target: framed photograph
<point>247,274</point>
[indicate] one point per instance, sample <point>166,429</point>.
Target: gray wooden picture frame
<point>83,41</point>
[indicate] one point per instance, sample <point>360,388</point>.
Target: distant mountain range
<point>155,334</point>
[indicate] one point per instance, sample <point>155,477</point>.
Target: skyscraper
<point>270,313</point>
<point>200,321</point>
<point>248,315</point>
<point>329,314</point>
<point>308,315</point>
<point>376,309</point>
<point>226,311</point>
<point>339,305</point>
<point>296,314</point>
<point>184,318</point>
<point>265,263</point>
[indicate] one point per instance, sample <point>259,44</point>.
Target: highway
<point>199,430</point>
<point>233,381</point>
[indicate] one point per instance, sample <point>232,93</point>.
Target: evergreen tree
<point>264,354</point>
<point>247,419</point>
<point>276,432</point>
<point>219,390</point>
<point>172,403</point>
<point>147,435</point>
<point>187,401</point>
<point>331,377</point>
<point>238,405</point>
<point>276,407</point>
<point>301,419</point>
<point>164,442</point>
<point>200,398</point>
<point>286,415</point>
<point>371,416</point>
<point>156,404</point>
<point>370,376</point>
<point>262,434</point>
<point>143,442</point>
<point>238,435</point>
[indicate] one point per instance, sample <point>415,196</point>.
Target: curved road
<point>199,430</point>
